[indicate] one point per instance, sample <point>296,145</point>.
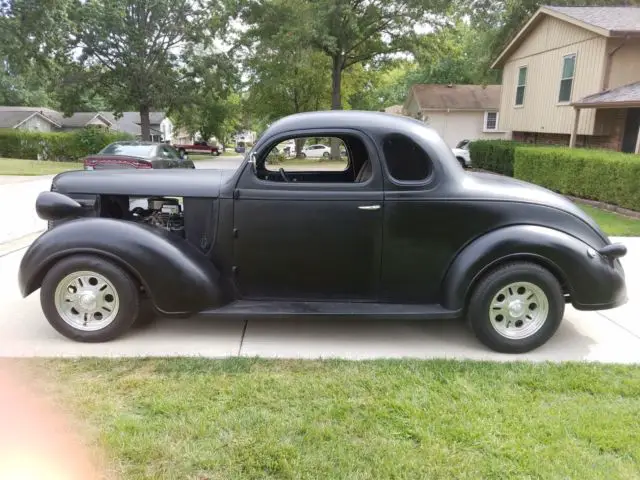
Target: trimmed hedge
<point>56,146</point>
<point>601,175</point>
<point>493,155</point>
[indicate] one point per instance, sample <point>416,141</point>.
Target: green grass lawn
<point>12,166</point>
<point>612,223</point>
<point>251,418</point>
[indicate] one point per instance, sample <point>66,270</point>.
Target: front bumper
<point>606,287</point>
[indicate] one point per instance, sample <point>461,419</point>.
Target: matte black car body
<point>254,247</point>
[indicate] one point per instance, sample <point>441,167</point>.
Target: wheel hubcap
<point>86,300</point>
<point>519,310</point>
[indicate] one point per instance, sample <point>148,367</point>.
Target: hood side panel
<point>168,182</point>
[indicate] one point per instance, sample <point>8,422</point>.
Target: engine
<point>161,212</point>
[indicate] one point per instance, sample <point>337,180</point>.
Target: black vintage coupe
<point>397,230</point>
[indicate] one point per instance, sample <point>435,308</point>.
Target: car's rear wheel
<point>461,162</point>
<point>325,155</point>
<point>516,308</point>
<point>89,299</point>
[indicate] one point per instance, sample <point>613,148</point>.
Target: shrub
<point>493,155</point>
<point>602,175</point>
<point>56,146</point>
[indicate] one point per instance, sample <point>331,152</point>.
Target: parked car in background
<point>240,147</point>
<point>275,241</point>
<point>139,155</point>
<point>316,151</point>
<point>198,147</point>
<point>461,151</point>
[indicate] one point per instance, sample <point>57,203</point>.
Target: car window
<point>405,159</point>
<point>133,150</point>
<point>169,152</point>
<point>334,160</point>
<point>314,157</point>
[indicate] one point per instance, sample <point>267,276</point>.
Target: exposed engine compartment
<point>161,212</point>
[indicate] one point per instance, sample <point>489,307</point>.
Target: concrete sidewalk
<point>20,193</point>
<point>610,336</point>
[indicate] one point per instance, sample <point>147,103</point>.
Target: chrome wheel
<point>86,300</point>
<point>519,310</point>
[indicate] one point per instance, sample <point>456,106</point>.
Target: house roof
<point>605,21</point>
<point>81,119</point>
<point>129,122</point>
<point>626,95</point>
<point>10,118</point>
<point>456,97</point>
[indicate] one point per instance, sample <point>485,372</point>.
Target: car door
<point>308,241</point>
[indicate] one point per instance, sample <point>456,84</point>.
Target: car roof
<point>341,119</point>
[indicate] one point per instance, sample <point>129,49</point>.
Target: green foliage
<point>493,155</point>
<point>602,175</point>
<point>55,146</point>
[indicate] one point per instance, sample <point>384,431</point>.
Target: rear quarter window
<point>406,160</point>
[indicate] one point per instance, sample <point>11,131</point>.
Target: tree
<point>127,51</point>
<point>348,32</point>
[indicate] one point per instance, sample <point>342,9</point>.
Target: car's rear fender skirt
<point>178,279</point>
<point>590,279</point>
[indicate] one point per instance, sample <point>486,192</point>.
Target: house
<point>571,76</point>
<point>161,127</point>
<point>456,112</point>
<point>47,120</point>
<point>394,110</point>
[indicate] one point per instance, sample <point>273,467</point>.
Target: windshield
<point>132,150</point>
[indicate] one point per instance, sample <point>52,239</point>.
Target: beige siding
<point>542,52</point>
<point>456,126</point>
<point>625,63</point>
<point>36,124</point>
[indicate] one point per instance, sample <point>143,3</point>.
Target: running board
<point>279,309</point>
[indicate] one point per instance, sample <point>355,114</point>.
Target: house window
<point>522,83</point>
<point>490,120</point>
<point>566,82</point>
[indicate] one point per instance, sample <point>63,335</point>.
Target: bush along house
<point>571,76</point>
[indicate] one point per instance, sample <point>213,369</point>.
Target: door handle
<point>369,207</point>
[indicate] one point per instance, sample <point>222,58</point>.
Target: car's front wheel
<point>89,299</point>
<point>516,308</point>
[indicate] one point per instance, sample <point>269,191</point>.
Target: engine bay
<point>161,212</point>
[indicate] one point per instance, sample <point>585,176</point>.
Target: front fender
<point>178,279</point>
<point>593,282</point>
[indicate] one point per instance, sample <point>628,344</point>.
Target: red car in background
<point>198,147</point>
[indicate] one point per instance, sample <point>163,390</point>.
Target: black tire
<point>125,287</point>
<point>478,313</point>
<point>303,155</point>
<point>461,161</point>
<point>325,155</point>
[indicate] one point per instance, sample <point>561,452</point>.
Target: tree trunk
<point>299,146</point>
<point>145,124</point>
<point>336,83</point>
<point>336,99</point>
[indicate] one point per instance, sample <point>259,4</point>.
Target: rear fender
<point>589,280</point>
<point>178,279</point>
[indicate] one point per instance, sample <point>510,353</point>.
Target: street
<point>610,336</point>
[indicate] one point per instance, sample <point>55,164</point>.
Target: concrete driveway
<point>611,336</point>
